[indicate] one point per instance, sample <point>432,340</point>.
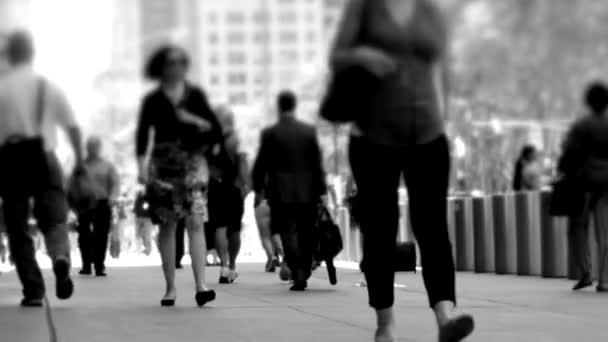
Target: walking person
<point>227,194</point>
<point>402,44</point>
<point>187,137</point>
<point>288,172</point>
<point>585,161</point>
<point>94,224</point>
<point>31,110</point>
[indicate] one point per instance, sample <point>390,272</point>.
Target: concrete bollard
<point>505,237</point>
<point>484,235</point>
<point>463,227</point>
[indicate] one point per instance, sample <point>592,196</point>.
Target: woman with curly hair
<point>185,136</point>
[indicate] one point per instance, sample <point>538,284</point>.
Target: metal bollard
<point>484,235</point>
<point>552,251</point>
<point>505,238</point>
<point>464,234</point>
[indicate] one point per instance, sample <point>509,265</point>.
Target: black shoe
<point>204,297</point>
<point>457,329</point>
<point>101,274</point>
<point>331,273</point>
<point>583,283</point>
<point>64,285</point>
<point>167,302</point>
<point>85,271</point>
<point>179,266</point>
<point>602,288</point>
<point>31,302</point>
<point>299,286</point>
<point>276,262</point>
<point>270,267</point>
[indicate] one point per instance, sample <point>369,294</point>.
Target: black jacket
<point>289,169</point>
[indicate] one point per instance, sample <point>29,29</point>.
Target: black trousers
<point>377,171</point>
<point>295,223</point>
<point>93,233</point>
<point>23,184</point>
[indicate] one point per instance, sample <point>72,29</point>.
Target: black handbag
<point>348,95</point>
<point>327,237</point>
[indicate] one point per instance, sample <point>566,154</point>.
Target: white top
<point>18,102</point>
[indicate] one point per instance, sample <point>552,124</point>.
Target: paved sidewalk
<point>125,307</point>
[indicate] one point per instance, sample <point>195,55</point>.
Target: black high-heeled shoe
<point>204,297</point>
<point>167,302</point>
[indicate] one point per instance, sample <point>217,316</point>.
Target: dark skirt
<point>178,184</point>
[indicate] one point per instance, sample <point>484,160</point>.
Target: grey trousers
<point>597,209</point>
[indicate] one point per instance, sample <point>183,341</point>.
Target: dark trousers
<point>295,224</point>
<point>377,171</point>
<point>93,233</point>
<point>180,232</point>
<point>50,211</point>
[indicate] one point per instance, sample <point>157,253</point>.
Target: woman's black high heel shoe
<point>167,302</point>
<point>204,297</point>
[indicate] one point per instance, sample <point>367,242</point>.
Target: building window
<point>214,59</point>
<point>236,58</point>
<point>260,17</point>
<point>212,18</point>
<point>288,37</point>
<point>311,55</point>
<point>311,37</point>
<point>235,18</point>
<point>288,56</point>
<point>237,78</point>
<point>261,37</point>
<point>238,98</point>
<point>214,80</point>
<point>288,17</point>
<point>214,38</point>
<point>236,37</point>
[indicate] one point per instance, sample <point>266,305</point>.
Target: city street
<point>258,307</point>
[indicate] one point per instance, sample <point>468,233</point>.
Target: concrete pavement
<point>258,307</point>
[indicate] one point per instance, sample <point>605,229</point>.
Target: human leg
<point>102,222</point>
<point>376,171</point>
<point>601,233</point>
<point>427,179</point>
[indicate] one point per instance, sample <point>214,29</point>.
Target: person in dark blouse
<point>187,138</point>
<point>403,44</point>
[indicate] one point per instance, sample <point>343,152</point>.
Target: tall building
<point>251,49</point>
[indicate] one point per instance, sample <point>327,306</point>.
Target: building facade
<point>251,49</point>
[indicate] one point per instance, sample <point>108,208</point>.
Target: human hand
<point>190,118</point>
<point>376,61</point>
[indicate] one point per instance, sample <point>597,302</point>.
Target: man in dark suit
<point>289,174</point>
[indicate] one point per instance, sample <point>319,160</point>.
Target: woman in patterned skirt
<point>185,137</point>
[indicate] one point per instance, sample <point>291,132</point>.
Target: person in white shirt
<point>31,110</point>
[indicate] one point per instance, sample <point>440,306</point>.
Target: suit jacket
<point>288,168</point>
